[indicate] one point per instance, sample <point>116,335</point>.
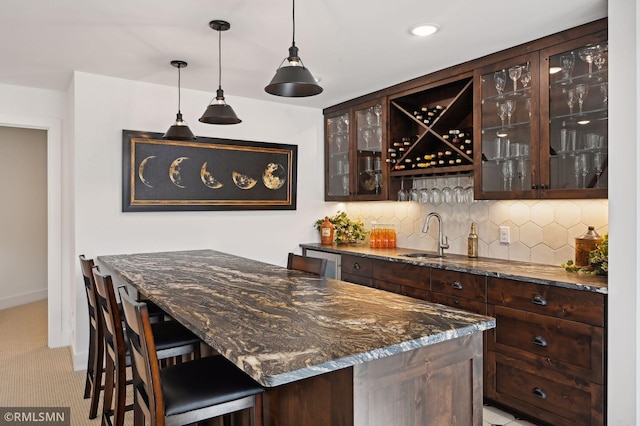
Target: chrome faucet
<point>443,242</point>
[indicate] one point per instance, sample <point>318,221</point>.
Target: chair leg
<point>90,362</point>
<point>107,397</point>
<point>138,415</point>
<point>98,369</point>
<point>120,395</point>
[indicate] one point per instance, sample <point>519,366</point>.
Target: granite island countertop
<point>519,271</point>
<point>280,325</point>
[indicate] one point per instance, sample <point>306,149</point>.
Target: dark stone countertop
<point>280,326</point>
<point>519,271</point>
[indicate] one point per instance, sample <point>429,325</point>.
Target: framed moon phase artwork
<point>206,174</point>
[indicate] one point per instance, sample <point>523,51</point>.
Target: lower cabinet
<point>545,360</point>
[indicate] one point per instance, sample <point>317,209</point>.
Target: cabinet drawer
<point>356,265</point>
<point>555,399</point>
<point>575,305</point>
<point>459,284</point>
<point>404,274</point>
<point>357,279</point>
<point>460,302</point>
<point>549,343</point>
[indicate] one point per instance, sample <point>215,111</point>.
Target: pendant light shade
<point>179,131</point>
<point>293,79</point>
<point>218,112</point>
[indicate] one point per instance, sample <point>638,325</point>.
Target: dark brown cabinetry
<point>545,358</point>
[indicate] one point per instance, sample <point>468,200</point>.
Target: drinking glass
<point>414,194</point>
<point>526,75</point>
<point>435,195</point>
<point>515,73</point>
<point>345,184</point>
<point>447,192</point>
<point>581,91</point>
<point>500,79</point>
<point>571,99</point>
<point>458,193</point>
<point>468,191</point>
<point>377,110</point>
<point>600,59</point>
<point>510,107</point>
<point>403,194</point>
<point>587,54</point>
<point>566,62</point>
<point>366,135</point>
<point>584,167</point>
<point>424,195</point>
<point>597,166</point>
<point>502,111</point>
<point>522,171</point>
<point>507,174</point>
<point>604,93</point>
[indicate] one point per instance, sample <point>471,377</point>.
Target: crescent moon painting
<point>243,181</point>
<point>174,172</point>
<point>208,179</point>
<point>143,163</point>
<point>274,176</point>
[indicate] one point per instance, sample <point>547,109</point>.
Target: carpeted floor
<point>31,374</point>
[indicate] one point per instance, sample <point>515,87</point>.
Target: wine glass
<point>597,166</point>
<point>510,108</point>
<point>522,171</point>
<point>366,135</point>
<point>435,195</point>
<point>500,79</point>
<point>604,92</point>
<point>584,167</point>
<point>447,192</point>
<point>458,193</point>
<point>581,91</point>
<point>414,194</point>
<point>507,174</point>
<point>515,73</point>
<point>567,61</point>
<point>424,195</point>
<point>502,111</point>
<point>403,194</point>
<point>571,99</point>
<point>526,75</point>
<point>345,184</point>
<point>377,110</point>
<point>587,54</point>
<point>468,190</point>
<point>600,58</point>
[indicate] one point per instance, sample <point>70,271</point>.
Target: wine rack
<point>431,130</point>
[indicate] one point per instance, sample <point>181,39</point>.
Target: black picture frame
<point>206,174</point>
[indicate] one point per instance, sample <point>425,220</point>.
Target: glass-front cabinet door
<point>576,78</point>
<point>337,150</point>
<point>508,97</point>
<point>354,158</point>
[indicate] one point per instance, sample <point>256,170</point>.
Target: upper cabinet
<point>354,139</point>
<point>527,122</point>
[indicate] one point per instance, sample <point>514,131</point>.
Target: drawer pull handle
<point>356,265</point>
<point>539,300</point>
<point>539,393</point>
<point>456,285</point>
<point>540,341</point>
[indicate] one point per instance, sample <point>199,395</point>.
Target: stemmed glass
<point>604,92</point>
<point>507,174</point>
<point>366,135</point>
<point>502,111</point>
<point>600,58</point>
<point>581,91</point>
<point>345,184</point>
<point>510,109</point>
<point>567,61</point>
<point>584,167</point>
<point>447,192</point>
<point>571,99</point>
<point>587,54</point>
<point>515,73</point>
<point>500,79</point>
<point>403,194</point>
<point>597,166</point>
<point>468,190</point>
<point>526,75</point>
<point>458,193</point>
<point>414,194</point>
<point>377,109</point>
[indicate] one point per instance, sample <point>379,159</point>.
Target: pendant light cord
<point>219,59</point>
<point>179,88</point>
<point>294,23</point>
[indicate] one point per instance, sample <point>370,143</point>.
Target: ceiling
<point>354,46</point>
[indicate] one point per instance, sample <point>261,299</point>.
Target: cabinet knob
<point>539,300</point>
<point>539,393</point>
<point>540,341</point>
<point>534,186</point>
<point>456,285</point>
<point>356,266</point>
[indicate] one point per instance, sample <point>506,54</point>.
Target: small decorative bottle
<point>472,242</point>
<point>326,231</point>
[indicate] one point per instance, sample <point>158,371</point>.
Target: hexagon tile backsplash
<point>542,231</point>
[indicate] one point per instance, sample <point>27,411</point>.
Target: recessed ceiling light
<point>554,70</point>
<point>424,30</point>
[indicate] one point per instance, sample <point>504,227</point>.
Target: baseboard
<point>22,299</point>
<point>79,359</point>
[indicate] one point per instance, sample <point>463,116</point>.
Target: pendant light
<point>179,131</point>
<point>294,79</point>
<point>218,112</point>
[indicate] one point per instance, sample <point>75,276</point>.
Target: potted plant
<point>346,230</point>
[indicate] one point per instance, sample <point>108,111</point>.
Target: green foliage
<point>598,260</point>
<point>345,230</point>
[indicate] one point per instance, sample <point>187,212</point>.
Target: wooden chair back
<point>312,265</point>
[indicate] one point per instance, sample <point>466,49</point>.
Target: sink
<point>420,255</point>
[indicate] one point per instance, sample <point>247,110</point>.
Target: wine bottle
<point>472,242</point>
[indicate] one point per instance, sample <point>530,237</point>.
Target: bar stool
<point>174,340</point>
<point>185,393</point>
<point>313,265</point>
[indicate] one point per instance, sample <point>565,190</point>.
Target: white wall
<point>23,235</point>
<point>104,106</point>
